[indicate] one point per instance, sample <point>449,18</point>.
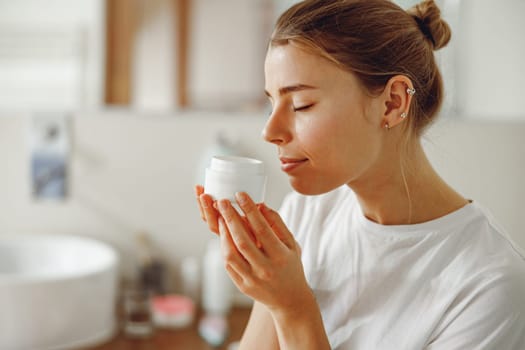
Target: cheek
<point>342,143</point>
<point>313,135</point>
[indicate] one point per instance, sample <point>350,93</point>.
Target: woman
<point>384,254</point>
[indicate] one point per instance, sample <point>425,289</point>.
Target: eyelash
<point>298,109</point>
<point>302,108</point>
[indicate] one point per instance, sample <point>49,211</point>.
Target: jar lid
<point>235,164</point>
<point>172,304</point>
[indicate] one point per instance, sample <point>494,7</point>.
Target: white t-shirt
<point>455,282</point>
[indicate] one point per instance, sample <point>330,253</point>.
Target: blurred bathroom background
<point>109,110</point>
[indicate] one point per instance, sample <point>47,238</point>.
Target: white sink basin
<point>56,292</point>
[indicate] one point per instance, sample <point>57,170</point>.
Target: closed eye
<point>302,108</point>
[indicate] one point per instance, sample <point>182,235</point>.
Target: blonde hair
<point>375,40</point>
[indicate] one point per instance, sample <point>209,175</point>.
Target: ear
<point>397,97</point>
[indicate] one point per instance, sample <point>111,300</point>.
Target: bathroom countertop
<point>180,339</point>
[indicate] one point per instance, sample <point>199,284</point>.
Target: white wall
<point>490,52</point>
<point>131,173</point>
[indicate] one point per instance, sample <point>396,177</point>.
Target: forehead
<point>289,60</point>
<point>289,64</point>
<point>289,54</point>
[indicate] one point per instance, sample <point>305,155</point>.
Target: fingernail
<point>241,197</point>
<point>214,205</point>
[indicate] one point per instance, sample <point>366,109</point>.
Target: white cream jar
<point>229,174</point>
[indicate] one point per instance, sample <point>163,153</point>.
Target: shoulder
<point>491,311</point>
<point>500,265</point>
<point>488,246</point>
<point>485,255</point>
<point>486,283</point>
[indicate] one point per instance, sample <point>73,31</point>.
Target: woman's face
<point>326,128</point>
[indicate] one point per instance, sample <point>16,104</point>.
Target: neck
<point>405,193</point>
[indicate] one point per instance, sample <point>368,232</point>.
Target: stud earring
<point>411,92</point>
<point>387,126</point>
<point>403,115</point>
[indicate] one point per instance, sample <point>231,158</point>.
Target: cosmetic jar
<point>172,311</point>
<point>228,175</point>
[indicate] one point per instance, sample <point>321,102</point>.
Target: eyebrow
<point>292,88</point>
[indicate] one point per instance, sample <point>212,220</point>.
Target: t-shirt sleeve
<point>492,317</point>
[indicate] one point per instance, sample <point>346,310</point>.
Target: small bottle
<point>137,312</point>
<point>217,288</point>
<point>230,174</point>
<point>151,270</point>
<point>217,292</point>
<point>148,282</point>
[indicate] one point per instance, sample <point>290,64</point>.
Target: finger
<point>234,263</point>
<point>234,275</point>
<point>240,236</point>
<point>211,215</point>
<point>278,226</point>
<point>260,226</point>
<point>249,229</point>
<point>198,191</point>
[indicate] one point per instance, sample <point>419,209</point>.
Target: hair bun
<point>428,18</point>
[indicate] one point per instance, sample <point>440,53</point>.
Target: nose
<point>277,128</point>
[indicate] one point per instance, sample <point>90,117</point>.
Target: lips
<point>289,164</point>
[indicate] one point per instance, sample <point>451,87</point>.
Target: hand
<point>209,213</point>
<point>272,274</point>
